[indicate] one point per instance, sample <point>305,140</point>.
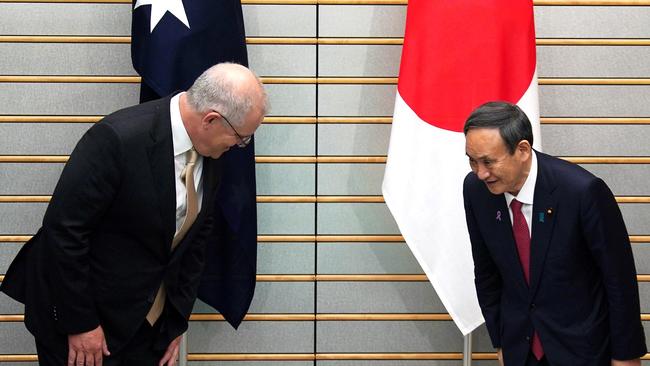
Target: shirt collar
<point>180,138</point>
<point>527,193</point>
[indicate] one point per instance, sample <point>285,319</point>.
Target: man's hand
<point>635,362</point>
<point>171,354</point>
<point>500,356</point>
<point>87,349</point>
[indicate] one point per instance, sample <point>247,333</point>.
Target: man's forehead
<point>484,143</point>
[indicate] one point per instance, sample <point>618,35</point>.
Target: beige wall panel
<point>275,298</point>
<point>15,339</point>
<point>356,100</point>
<point>247,363</point>
<point>285,139</point>
<point>593,61</point>
<point>623,179</point>
<point>388,336</point>
<point>65,59</point>
<point>555,100</point>
<point>592,21</point>
<point>284,179</point>
<point>292,99</point>
<point>366,258</point>
<point>251,337</point>
<point>361,20</point>
<point>641,257</point>
<point>637,217</point>
<point>99,99</point>
<point>353,139</point>
<point>29,178</point>
<point>10,306</point>
<point>355,219</point>
<point>359,60</point>
<point>282,60</point>
<point>45,138</point>
<point>350,179</point>
<point>397,336</point>
<point>285,218</point>
<point>272,20</point>
<point>644,296</point>
<point>7,253</point>
<point>552,61</point>
<point>403,363</point>
<point>377,297</point>
<point>596,140</point>
<point>21,218</point>
<point>65,19</point>
<point>594,100</point>
<point>66,98</point>
<point>285,258</point>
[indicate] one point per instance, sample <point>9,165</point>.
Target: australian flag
<point>173,42</point>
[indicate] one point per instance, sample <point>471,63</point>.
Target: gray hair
<point>511,121</point>
<point>214,90</point>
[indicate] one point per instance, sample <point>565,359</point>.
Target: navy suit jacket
<point>104,247</point>
<point>583,297</point>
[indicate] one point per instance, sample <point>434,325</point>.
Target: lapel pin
<point>498,215</point>
<point>541,217</point>
<point>549,211</point>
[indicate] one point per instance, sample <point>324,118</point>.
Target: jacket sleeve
<point>608,241</point>
<point>83,194</point>
<point>486,275</point>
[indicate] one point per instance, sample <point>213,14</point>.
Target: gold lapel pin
<point>549,211</point>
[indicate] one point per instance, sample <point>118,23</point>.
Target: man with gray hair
<point>112,275</point>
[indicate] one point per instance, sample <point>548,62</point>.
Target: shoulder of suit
<point>564,173</point>
<point>133,120</point>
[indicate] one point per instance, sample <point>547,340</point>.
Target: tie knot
<point>191,156</point>
<point>515,205</point>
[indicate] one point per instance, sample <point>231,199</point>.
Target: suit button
<point>532,306</point>
<point>527,339</point>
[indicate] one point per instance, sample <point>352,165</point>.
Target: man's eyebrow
<point>482,157</point>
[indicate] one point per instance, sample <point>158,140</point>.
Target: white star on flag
<point>160,7</point>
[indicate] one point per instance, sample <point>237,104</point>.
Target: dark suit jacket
<point>104,247</point>
<point>583,297</point>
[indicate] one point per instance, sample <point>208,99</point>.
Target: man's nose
<point>482,173</point>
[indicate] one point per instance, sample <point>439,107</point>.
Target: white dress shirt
<point>182,144</point>
<point>526,195</point>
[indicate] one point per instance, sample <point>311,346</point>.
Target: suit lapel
<point>543,220</point>
<point>161,162</point>
<point>503,230</point>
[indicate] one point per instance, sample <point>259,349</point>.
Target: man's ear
<point>209,118</point>
<point>524,148</point>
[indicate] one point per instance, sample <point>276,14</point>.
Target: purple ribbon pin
<point>498,215</point>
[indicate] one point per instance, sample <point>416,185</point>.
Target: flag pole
<point>467,350</point>
<point>182,354</point>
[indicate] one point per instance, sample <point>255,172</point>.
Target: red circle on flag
<point>459,54</point>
